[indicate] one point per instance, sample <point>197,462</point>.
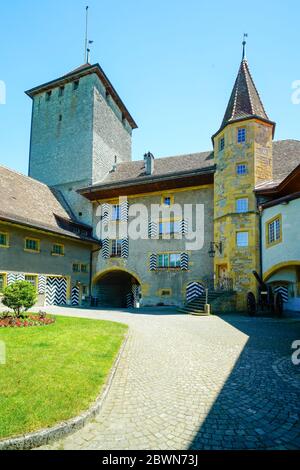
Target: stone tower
<point>243,156</point>
<point>80,129</point>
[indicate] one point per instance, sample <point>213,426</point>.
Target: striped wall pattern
<point>153,262</point>
<point>105,248</point>
<point>129,300</point>
<point>125,248</point>
<point>283,290</point>
<point>42,284</point>
<point>124,210</point>
<point>105,209</point>
<point>20,277</point>
<point>184,227</point>
<point>56,291</point>
<point>153,230</point>
<point>194,290</point>
<point>75,295</point>
<point>184,261</point>
<point>11,277</point>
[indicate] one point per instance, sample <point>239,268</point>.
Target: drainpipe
<point>260,211</point>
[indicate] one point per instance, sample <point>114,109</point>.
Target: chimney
<point>149,163</point>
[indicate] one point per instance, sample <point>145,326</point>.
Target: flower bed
<point>9,320</point>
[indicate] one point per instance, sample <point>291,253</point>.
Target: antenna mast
<point>86,35</point>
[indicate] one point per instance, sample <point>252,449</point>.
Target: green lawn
<point>54,372</point>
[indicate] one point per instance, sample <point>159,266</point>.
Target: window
<point>60,117</point>
<point>84,290</point>
<point>165,292</point>
<point>76,268</point>
<point>241,169</point>
<point>84,268</point>
<point>241,135</point>
<point>75,85</point>
<point>168,260</point>
<point>167,200</point>
<point>169,227</point>
<point>32,279</point>
<point>115,212</point>
<point>4,240</point>
<point>2,282</point>
<point>61,91</point>
<point>242,205</point>
<point>242,239</point>
<point>32,244</point>
<point>58,250</point>
<point>116,248</point>
<point>48,95</point>
<point>221,144</point>
<point>274,231</point>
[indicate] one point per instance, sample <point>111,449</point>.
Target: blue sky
<point>173,63</point>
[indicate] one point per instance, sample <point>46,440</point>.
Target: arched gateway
<point>116,288</point>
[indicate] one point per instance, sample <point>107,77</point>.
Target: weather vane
<point>244,45</point>
<point>88,43</point>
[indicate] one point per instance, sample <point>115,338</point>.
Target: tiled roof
<point>29,202</point>
<point>286,157</point>
<point>244,101</point>
<point>135,170</point>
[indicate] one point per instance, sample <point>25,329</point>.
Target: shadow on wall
<point>258,407</point>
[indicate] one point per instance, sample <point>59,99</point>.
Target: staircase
<point>197,306</point>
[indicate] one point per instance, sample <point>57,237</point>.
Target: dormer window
<point>241,135</point>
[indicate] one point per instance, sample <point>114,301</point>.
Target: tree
<point>19,296</point>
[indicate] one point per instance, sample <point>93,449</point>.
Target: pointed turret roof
<point>244,102</point>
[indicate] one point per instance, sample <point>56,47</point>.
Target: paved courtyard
<point>198,383</point>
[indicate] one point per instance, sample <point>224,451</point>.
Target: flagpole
<point>86,35</point>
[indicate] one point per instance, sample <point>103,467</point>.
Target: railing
<point>224,284</point>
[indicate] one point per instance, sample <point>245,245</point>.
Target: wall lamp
<point>215,246</point>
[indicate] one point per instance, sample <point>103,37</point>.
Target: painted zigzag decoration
<point>194,290</point>
<point>153,230</point>
<point>75,295</point>
<point>56,291</point>
<point>125,248</point>
<point>11,278</point>
<point>283,290</point>
<point>153,262</point>
<point>42,284</point>
<point>124,211</point>
<point>105,248</point>
<point>184,262</point>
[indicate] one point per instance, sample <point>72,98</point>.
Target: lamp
<point>215,246</point>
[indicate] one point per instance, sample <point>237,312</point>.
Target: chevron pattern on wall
<point>129,300</point>
<point>153,230</point>
<point>125,248</point>
<point>105,213</point>
<point>42,284</point>
<point>56,291</point>
<point>105,248</point>
<point>194,290</point>
<point>283,290</point>
<point>75,295</point>
<point>153,262</point>
<point>20,277</point>
<point>184,261</point>
<point>124,211</point>
<point>184,227</point>
<point>11,277</point>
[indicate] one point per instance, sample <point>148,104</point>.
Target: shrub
<point>19,296</point>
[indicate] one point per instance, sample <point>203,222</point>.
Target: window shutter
<point>105,248</point>
<point>184,261</point>
<point>184,227</point>
<point>42,284</point>
<point>153,230</point>
<point>11,277</point>
<point>124,209</point>
<point>125,248</point>
<point>75,295</point>
<point>105,214</point>
<point>153,262</point>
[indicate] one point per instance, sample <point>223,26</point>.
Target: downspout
<point>260,211</point>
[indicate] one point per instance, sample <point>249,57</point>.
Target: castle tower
<point>80,129</point>
<point>243,156</point>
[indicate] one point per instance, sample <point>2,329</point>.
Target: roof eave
<point>96,68</point>
<point>145,181</point>
<point>246,118</point>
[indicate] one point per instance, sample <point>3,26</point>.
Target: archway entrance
<point>116,289</point>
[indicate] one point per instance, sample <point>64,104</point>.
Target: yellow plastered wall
<point>256,153</point>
